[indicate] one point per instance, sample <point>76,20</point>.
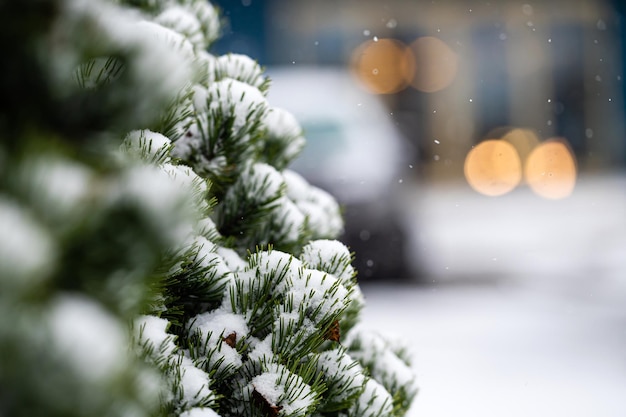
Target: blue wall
<point>243,28</point>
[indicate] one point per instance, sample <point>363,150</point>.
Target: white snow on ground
<point>525,314</point>
<point>491,352</point>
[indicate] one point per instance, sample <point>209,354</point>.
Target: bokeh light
<point>524,141</point>
<point>550,170</point>
<point>493,167</point>
<point>436,64</point>
<point>384,66</point>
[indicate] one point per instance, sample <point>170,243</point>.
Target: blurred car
<point>355,152</point>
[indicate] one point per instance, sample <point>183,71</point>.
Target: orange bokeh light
<point>436,64</point>
<point>550,170</point>
<point>493,167</point>
<point>524,141</point>
<point>384,66</point>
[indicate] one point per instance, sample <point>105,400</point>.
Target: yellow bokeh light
<point>550,170</point>
<point>493,167</point>
<point>384,66</point>
<point>436,64</point>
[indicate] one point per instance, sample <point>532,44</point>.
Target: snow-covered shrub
<point>157,256</point>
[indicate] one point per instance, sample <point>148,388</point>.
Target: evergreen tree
<point>157,255</point>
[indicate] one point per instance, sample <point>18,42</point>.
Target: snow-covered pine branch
<point>146,182</point>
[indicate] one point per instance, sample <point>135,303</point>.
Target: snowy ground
<point>525,314</point>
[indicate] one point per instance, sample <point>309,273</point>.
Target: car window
<point>323,137</point>
<point>326,139</point>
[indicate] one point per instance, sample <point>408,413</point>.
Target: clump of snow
<point>199,412</point>
<point>289,220</point>
<point>182,21</point>
<point>281,388</point>
<point>260,183</point>
<point>357,297</point>
<point>100,14</point>
<point>337,363</point>
<point>293,148</point>
<point>164,60</point>
<point>151,385</point>
<point>266,384</point>
<point>323,213</point>
<point>282,127</point>
<point>214,328</point>
<point>270,181</point>
<point>236,99</point>
<point>167,204</point>
<point>26,249</point>
<point>206,227</point>
<point>276,266</point>
<point>208,257</point>
<point>216,165</point>
<point>194,384</point>
<point>206,65</point>
<point>185,176</point>
<point>226,103</point>
<point>232,259</point>
<point>187,180</point>
<point>394,372</point>
<point>59,186</point>
<point>321,209</point>
<point>217,264</point>
<point>292,331</point>
<point>200,96</point>
<point>203,246</point>
<point>208,17</point>
<point>384,365</point>
<point>150,187</point>
<point>283,137</point>
<point>151,332</point>
<point>330,256</point>
<point>92,339</point>
<point>262,351</point>
<point>241,68</point>
<point>367,344</point>
<point>342,374</point>
<point>157,70</point>
<point>297,186</point>
<point>190,142</point>
<point>282,124</point>
<point>147,144</point>
<point>182,115</point>
<point>375,401</point>
<point>167,36</point>
<point>321,293</point>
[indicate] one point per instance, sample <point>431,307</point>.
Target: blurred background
<point>479,151</point>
